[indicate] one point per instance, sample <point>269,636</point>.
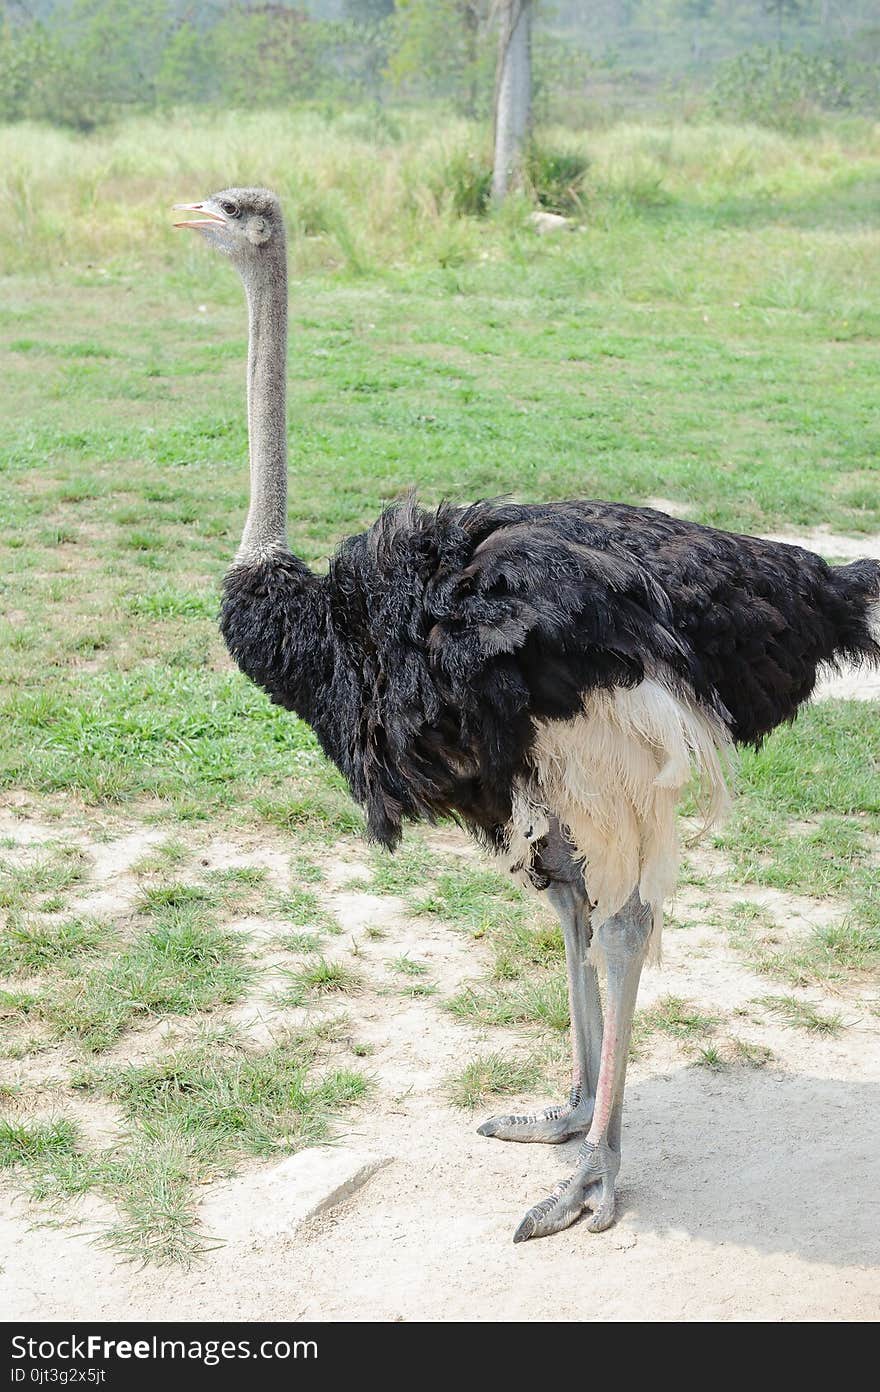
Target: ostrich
<point>551,675</point>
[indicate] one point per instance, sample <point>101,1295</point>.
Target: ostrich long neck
<point>265,531</point>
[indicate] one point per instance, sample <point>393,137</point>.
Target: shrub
<point>555,178</point>
<point>468,179</point>
<point>785,90</point>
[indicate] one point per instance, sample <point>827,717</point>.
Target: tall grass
<point>362,193</point>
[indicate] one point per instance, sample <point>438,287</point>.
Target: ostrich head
<point>244,223</point>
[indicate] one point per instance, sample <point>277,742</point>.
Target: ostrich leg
<point>560,1123</point>
<point>623,939</point>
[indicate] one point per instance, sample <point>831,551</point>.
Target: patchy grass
<point>408,966</point>
<point>41,883</point>
<point>746,1051</point>
<point>710,1056</point>
<point>542,1002</point>
<point>829,954</point>
<point>36,1143</point>
<point>178,968</point>
<point>305,869</point>
<point>169,854</point>
<point>188,1117</point>
<point>802,1014</point>
<point>35,945</point>
<point>676,1017</point>
<point>406,870</point>
<point>299,942</point>
<point>317,978</point>
<point>492,1075</point>
<point>417,990</point>
<point>478,901</point>
<point>94,981</point>
<point>303,908</point>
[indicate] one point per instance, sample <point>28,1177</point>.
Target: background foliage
<point>83,63</point>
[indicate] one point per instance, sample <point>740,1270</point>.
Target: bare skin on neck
<point>246,224</point>
<point>265,530</point>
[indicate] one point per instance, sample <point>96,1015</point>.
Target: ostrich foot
<point>591,1186</point>
<point>552,1126</point>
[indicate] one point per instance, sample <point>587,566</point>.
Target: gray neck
<point>265,531</point>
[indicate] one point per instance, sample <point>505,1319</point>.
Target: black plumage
<point>436,639</point>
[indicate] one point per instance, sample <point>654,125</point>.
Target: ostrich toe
<point>590,1186</point>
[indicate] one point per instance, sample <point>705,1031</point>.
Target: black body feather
<point>424,655</point>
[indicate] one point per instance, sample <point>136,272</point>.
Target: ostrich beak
<point>208,219</point>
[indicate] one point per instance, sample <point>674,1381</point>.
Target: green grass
<point>32,946</point>
<point>95,980</point>
<point>36,1143</point>
<point>801,1014</point>
<point>179,968</point>
<point>302,908</point>
<point>406,871</point>
<point>299,942</point>
<point>492,1075</point>
<point>677,1018</point>
<point>186,1118</point>
<point>747,1052</point>
<point>710,1056</point>
<point>542,1001</point>
<point>408,966</point>
<point>828,953</point>
<point>319,977</point>
<point>806,821</point>
<point>40,883</point>
<point>672,1015</point>
<point>169,854</point>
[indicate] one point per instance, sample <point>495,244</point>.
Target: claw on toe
<point>525,1230</point>
<point>491,1126</point>
<point>602,1218</point>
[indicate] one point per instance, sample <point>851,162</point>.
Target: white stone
<point>271,1203</point>
<point>548,222</point>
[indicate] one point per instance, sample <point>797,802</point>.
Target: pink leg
<point>623,939</point>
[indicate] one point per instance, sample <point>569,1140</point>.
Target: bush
<point>784,90</point>
<point>555,178</point>
<point>468,178</point>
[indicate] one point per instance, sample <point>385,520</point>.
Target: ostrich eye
<point>228,208</point>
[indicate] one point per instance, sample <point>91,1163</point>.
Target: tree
<point>697,12</point>
<point>782,10</point>
<point>513,93</point>
<point>270,51</point>
<point>366,35</point>
<point>367,11</point>
<point>437,49</point>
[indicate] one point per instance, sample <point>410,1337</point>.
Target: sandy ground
<point>751,1194</point>
<point>748,1194</point>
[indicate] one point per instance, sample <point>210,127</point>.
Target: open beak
<point>208,219</point>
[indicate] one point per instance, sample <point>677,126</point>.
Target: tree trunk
<point>513,93</point>
<point>470,15</point>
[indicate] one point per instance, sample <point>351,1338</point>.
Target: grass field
<point>708,333</point>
